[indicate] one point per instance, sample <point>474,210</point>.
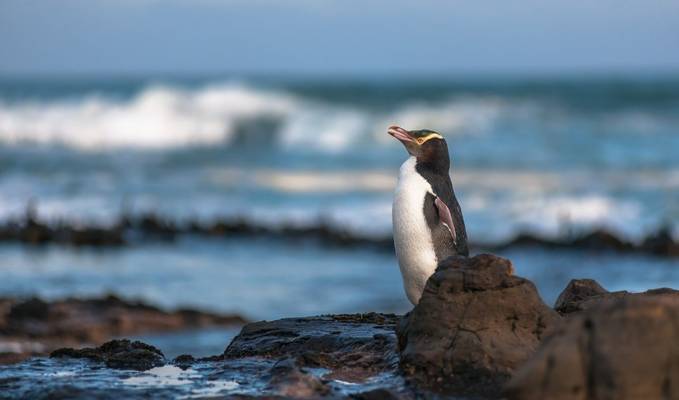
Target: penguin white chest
<point>412,237</point>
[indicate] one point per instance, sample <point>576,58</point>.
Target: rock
<point>602,240</point>
<point>34,327</point>
<point>376,394</point>
<point>288,380</point>
<point>474,325</point>
<point>527,239</point>
<point>619,348</point>
<point>661,243</point>
<point>352,348</point>
<point>577,291</point>
<point>33,308</point>
<point>93,236</point>
<point>118,354</point>
<point>184,361</point>
<point>582,294</point>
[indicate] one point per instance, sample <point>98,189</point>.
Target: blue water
<point>551,156</point>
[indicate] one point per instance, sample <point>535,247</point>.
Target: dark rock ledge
<point>479,332</point>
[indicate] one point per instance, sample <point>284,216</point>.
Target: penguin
<point>427,219</point>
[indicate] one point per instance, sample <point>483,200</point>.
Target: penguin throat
<point>437,165</point>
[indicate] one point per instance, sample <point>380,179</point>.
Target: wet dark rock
<point>118,354</point>
<point>289,380</point>
<point>352,348</point>
<point>184,361</point>
<point>69,392</point>
<point>474,325</point>
<point>376,394</point>
<point>618,348</point>
<point>35,327</point>
<point>582,294</point>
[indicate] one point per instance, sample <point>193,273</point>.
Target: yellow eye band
<point>423,139</point>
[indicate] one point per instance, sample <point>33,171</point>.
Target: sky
<point>337,37</point>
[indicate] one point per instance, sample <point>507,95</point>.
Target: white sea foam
<point>550,214</point>
<point>161,116</point>
<point>306,181</point>
<point>157,117</point>
<point>167,375</point>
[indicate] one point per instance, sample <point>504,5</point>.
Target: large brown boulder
<point>474,325</point>
<point>617,348</point>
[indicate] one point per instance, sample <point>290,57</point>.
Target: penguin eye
<point>420,140</point>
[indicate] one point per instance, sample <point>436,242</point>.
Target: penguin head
<point>426,145</point>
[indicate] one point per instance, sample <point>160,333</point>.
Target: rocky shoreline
<point>34,327</point>
<point>150,227</point>
<point>479,332</point>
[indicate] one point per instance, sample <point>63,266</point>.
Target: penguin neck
<point>438,166</point>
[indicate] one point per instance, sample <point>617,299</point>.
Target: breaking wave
<point>166,117</point>
<point>157,117</point>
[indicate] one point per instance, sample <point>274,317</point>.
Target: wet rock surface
<point>359,349</point>
<point>352,347</point>
<point>34,327</point>
<point>615,347</point>
<point>336,356</point>
<point>118,354</point>
<point>475,324</point>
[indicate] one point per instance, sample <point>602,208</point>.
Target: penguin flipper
<point>445,217</point>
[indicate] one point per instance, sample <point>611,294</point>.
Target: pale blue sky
<point>344,37</point>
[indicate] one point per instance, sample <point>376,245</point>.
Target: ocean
<point>550,156</point>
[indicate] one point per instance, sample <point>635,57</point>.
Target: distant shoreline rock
<point>150,227</point>
<point>34,326</point>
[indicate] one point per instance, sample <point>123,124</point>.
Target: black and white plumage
<point>427,219</point>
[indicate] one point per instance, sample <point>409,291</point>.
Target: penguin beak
<point>400,134</point>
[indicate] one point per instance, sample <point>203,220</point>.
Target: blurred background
<point>270,119</point>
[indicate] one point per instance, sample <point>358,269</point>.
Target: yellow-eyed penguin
<point>427,220</point>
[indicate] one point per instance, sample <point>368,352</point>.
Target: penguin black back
<point>433,163</point>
